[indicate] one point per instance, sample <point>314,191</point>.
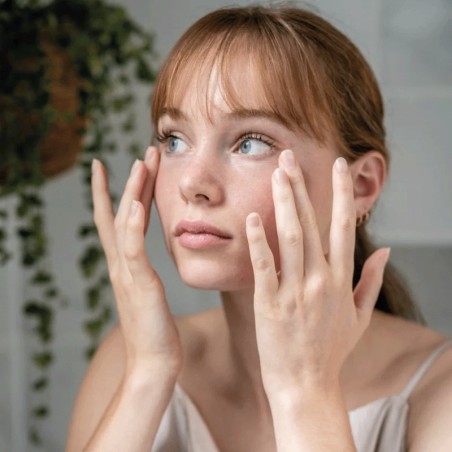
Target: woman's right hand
<point>150,335</point>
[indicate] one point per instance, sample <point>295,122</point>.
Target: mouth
<point>199,235</point>
<point>199,227</point>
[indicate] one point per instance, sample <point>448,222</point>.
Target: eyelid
<point>164,135</point>
<point>258,137</point>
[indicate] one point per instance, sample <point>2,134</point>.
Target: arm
<point>129,409</point>
<point>124,410</point>
<point>309,319</point>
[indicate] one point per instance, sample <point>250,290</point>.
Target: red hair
<point>310,75</point>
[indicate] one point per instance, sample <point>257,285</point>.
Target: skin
<point>291,337</point>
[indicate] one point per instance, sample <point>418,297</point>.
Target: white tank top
<point>379,426</point>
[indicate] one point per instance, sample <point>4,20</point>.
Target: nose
<point>201,181</point>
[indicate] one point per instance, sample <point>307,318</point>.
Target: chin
<point>221,280</point>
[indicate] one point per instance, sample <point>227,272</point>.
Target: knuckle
<point>262,264</point>
<point>287,309</point>
<point>132,253</point>
<point>318,283</point>
<point>347,223</point>
<point>114,273</point>
<point>308,220</point>
<point>298,294</point>
<point>293,237</point>
<point>255,238</point>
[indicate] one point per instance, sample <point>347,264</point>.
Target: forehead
<point>237,74</point>
<point>238,89</point>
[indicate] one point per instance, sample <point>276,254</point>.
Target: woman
<point>270,156</point>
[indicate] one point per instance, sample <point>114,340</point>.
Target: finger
<point>369,285</point>
<point>151,162</point>
<point>103,210</point>
<point>134,249</point>
<point>132,190</point>
<point>290,234</point>
<point>343,223</point>
<point>265,278</point>
<point>312,244</point>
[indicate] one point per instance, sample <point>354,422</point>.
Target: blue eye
<point>254,146</point>
<point>176,144</point>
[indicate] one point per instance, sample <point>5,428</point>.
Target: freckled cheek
<point>261,201</point>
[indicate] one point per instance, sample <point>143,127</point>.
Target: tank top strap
<point>414,380</point>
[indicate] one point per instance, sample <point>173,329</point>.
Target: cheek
<point>321,197</point>
<point>260,200</point>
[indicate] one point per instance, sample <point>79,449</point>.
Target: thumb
<point>369,285</point>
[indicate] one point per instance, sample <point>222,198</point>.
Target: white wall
<point>408,44</point>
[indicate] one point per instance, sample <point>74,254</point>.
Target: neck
<point>242,345</point>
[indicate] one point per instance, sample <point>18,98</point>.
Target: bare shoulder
<point>430,416</point>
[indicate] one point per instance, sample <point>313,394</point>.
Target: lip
<point>199,235</point>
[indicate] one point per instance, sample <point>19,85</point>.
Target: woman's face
<point>216,170</point>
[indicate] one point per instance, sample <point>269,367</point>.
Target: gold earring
<point>363,219</point>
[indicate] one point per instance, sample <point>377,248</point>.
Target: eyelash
<point>258,137</point>
<point>165,135</point>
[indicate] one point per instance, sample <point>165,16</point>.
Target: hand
<point>309,319</point>
<point>149,331</point>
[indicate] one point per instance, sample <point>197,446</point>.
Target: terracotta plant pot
<point>63,142</point>
<point>60,148</point>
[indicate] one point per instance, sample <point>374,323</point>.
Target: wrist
<point>311,392</point>
<point>142,376</point>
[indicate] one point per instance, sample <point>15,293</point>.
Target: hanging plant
<point>67,70</point>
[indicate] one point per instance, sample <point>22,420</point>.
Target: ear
<point>369,174</point>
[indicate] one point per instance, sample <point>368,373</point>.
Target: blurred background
<point>409,45</point>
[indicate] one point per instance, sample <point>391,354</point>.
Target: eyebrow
<point>173,113</point>
<point>256,113</point>
<point>237,114</point>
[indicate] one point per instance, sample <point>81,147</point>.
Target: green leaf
<point>43,359</point>
<point>90,259</point>
<point>86,230</point>
<point>89,352</point>
<point>40,384</point>
<point>52,292</point>
<point>93,298</point>
<point>93,327</point>
<point>36,309</point>
<point>41,411</point>
<point>42,277</point>
<point>35,437</point>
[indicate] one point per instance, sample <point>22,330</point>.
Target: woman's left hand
<point>309,318</point>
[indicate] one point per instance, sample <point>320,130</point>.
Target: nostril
<point>202,196</point>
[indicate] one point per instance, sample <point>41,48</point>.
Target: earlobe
<point>369,175</point>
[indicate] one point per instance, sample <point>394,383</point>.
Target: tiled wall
<point>409,45</point>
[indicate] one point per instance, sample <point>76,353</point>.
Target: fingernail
<point>149,153</point>
<point>341,165</point>
<point>281,176</point>
<point>288,158</point>
<point>94,166</point>
<point>135,167</point>
<point>133,208</point>
<point>388,254</point>
<point>253,220</point>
